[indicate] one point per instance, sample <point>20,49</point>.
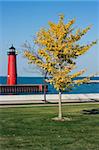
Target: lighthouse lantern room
<point>12,66</point>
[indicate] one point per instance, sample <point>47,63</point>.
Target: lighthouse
<point>12,66</point>
<point>12,87</point>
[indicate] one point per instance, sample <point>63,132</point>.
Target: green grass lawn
<point>31,128</point>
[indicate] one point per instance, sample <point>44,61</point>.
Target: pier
<point>22,88</point>
<point>93,81</point>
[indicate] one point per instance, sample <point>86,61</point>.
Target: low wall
<point>10,99</point>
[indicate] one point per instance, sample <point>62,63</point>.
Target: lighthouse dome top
<point>12,51</point>
<point>12,48</point>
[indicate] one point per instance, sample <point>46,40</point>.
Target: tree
<point>36,68</point>
<point>59,47</point>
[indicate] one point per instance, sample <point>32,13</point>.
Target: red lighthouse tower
<point>12,67</point>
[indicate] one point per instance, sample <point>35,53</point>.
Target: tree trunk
<point>45,87</point>
<point>60,106</point>
<point>44,92</point>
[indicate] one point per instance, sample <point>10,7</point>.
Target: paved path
<point>51,98</point>
<point>44,105</point>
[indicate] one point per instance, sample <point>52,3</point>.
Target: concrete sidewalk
<point>51,98</point>
<point>45,104</point>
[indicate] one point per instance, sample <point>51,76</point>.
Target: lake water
<point>82,89</point>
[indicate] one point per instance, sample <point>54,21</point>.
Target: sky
<point>20,20</point>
